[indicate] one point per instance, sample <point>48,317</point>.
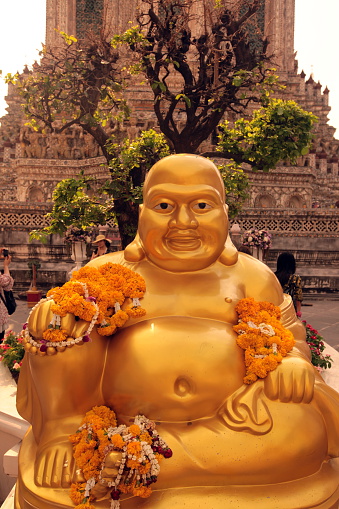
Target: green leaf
<point>237,81</point>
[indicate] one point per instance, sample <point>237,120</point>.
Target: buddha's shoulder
<point>259,280</point>
<point>115,257</point>
<point>251,263</point>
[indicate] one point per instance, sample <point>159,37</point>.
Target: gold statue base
<point>305,493</point>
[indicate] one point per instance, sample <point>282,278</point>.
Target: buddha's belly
<point>172,368</point>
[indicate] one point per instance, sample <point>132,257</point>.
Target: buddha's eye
<point>164,206</point>
<point>202,206</point>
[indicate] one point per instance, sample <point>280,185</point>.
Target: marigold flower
<point>142,491</point>
<point>134,448</point>
<point>117,441</point>
<point>135,430</point>
<point>263,351</point>
<point>55,335</point>
<point>77,492</point>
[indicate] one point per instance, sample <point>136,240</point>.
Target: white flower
<point>266,329</point>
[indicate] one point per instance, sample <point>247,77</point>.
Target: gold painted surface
<point>271,445</point>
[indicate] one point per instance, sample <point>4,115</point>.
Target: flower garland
<point>257,238</point>
<point>93,295</point>
<point>141,449</point>
<point>262,336</point>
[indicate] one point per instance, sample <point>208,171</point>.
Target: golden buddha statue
<point>272,444</point>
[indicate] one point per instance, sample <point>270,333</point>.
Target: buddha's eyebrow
<point>173,191</point>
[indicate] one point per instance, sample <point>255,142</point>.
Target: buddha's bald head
<point>185,169</point>
<point>183,221</point>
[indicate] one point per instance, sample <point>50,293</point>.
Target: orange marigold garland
<point>141,450</point>
<point>262,336</point>
<point>93,295</point>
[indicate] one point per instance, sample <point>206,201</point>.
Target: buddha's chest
<point>173,368</point>
<point>196,297</point>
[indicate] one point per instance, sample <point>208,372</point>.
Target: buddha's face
<point>183,222</point>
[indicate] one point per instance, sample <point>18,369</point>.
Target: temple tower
<point>279,28</point>
<point>76,17</point>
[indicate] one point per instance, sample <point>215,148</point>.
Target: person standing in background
<point>102,246</point>
<point>6,283</point>
<point>289,280</point>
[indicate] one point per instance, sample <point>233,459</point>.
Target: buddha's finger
<point>99,490</point>
<point>113,459</point>
<point>309,386</point>
<point>56,469</point>
<point>271,386</point>
<point>285,387</point>
<point>74,327</point>
<point>44,469</point>
<point>299,388</point>
<point>39,319</point>
<point>68,471</point>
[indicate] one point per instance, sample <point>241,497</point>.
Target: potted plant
<point>259,241</point>
<point>33,294</point>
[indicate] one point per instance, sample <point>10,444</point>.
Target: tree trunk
<point>127,214</point>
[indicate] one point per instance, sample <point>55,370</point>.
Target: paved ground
<point>323,315</point>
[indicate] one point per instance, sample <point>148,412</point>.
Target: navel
<point>183,387</point>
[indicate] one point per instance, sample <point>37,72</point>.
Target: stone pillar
<point>7,152</point>
<point>322,160</point>
<point>334,165</point>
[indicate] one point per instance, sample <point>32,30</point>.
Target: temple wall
<point>311,235</point>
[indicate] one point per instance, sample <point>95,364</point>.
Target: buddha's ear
<point>229,256</point>
<point>134,251</point>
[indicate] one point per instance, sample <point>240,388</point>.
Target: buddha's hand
<point>292,381</point>
<point>108,474</point>
<point>42,315</point>
<point>55,466</point>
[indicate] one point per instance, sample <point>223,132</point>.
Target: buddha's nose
<point>184,218</point>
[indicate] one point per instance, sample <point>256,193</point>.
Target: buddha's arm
<point>56,391</point>
<point>293,380</point>
<point>262,285</point>
<point>291,322</point>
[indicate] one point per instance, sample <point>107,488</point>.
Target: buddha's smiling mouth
<point>183,242</point>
